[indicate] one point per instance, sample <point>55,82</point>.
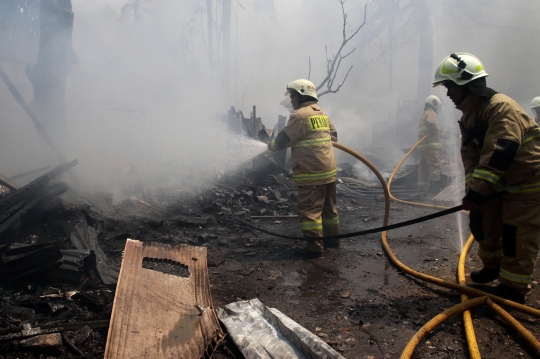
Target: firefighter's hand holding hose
<point>473,201</point>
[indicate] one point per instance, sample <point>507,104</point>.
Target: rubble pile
<point>273,196</point>
<point>59,265</point>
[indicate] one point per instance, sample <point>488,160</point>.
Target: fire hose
<point>446,210</point>
<point>464,307</point>
<point>483,297</point>
<point>409,349</point>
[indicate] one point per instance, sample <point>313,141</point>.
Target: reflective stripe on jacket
<point>510,156</point>
<point>312,155</point>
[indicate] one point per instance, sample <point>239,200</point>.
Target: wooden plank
<point>27,192</point>
<point>154,314</point>
<point>8,183</point>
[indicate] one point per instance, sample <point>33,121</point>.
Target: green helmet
<point>535,102</point>
<point>303,87</point>
<point>460,68</point>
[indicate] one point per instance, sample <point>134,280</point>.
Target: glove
<point>444,134</point>
<point>476,224</point>
<point>473,201</point>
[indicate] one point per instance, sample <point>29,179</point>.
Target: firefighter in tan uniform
<point>501,152</point>
<point>535,107</point>
<point>309,132</point>
<point>429,170</point>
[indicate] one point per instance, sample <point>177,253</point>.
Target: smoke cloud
<point>143,96</point>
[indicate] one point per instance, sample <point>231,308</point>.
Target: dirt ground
<point>352,297</point>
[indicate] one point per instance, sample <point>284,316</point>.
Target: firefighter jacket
<point>429,126</point>
<point>309,132</point>
<point>500,146</point>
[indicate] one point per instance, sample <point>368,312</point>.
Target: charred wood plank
<point>192,221</point>
<point>26,193</point>
<point>12,215</point>
<point>47,329</point>
<point>28,173</point>
<point>19,260</point>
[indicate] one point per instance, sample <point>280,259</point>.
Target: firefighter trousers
<point>318,215</point>
<point>430,166</point>
<point>508,233</point>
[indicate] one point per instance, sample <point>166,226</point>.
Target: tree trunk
<point>53,65</point>
<point>425,55</point>
<point>226,33</point>
<point>210,31</point>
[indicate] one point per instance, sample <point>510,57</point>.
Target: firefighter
<point>535,107</point>
<point>429,171</point>
<point>501,153</point>
<point>309,132</point>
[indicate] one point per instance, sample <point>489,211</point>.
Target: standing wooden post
<point>226,33</point>
<point>281,157</point>
<point>254,123</point>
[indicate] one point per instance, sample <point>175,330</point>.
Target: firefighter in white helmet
<point>429,170</point>
<point>309,132</point>
<point>535,107</point>
<point>501,153</point>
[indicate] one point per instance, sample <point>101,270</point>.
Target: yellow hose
<point>397,169</point>
<point>511,321</point>
<point>430,279</point>
<point>467,319</point>
<point>376,172</point>
<point>433,323</point>
<point>474,352</point>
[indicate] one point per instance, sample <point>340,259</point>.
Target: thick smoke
<point>142,98</point>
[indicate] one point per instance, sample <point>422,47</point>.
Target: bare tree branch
<point>348,53</point>
<point>337,89</point>
<point>332,64</point>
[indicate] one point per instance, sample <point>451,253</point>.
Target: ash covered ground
<point>353,297</point>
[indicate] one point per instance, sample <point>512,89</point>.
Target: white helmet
<point>433,101</point>
<point>535,102</point>
<point>460,68</point>
<point>303,87</point>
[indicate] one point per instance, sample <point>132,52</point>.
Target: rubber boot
<point>306,253</point>
<point>485,275</point>
<point>506,292</point>
<point>331,243</point>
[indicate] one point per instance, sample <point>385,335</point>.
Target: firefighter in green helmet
<point>500,149</point>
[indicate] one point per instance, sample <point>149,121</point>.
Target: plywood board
<point>154,313</point>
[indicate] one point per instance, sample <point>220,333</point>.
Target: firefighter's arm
<point>333,131</point>
<point>444,133</point>
<point>289,135</point>
<point>503,139</point>
<point>470,156</point>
